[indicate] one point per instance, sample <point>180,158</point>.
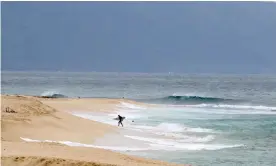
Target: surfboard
<point>118,118</point>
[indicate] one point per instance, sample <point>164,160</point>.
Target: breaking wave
<point>179,99</point>
<point>52,94</point>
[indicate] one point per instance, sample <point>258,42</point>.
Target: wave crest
<point>52,94</point>
<point>197,99</point>
<point>190,99</point>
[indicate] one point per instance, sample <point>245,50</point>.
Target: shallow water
<point>200,126</point>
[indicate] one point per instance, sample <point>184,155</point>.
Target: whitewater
<point>197,119</point>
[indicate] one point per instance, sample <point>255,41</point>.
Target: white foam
<point>127,114</point>
<point>31,140</point>
<point>191,94</point>
<point>170,135</point>
<point>131,106</point>
<point>182,139</point>
<point>152,140</point>
<point>50,93</point>
<point>207,138</point>
<point>193,146</point>
<point>107,118</point>
<point>199,130</point>
<point>171,145</point>
<point>185,138</point>
<point>69,143</point>
<point>173,128</point>
<point>222,109</point>
<point>234,106</point>
<point>154,144</point>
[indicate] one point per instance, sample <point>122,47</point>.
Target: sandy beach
<point>49,119</point>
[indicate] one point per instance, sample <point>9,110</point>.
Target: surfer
<point>120,118</point>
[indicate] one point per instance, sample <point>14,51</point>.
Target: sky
<point>147,37</point>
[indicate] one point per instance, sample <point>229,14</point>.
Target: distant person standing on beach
<point>120,120</point>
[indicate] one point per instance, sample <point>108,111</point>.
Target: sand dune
<point>36,120</point>
<point>48,119</point>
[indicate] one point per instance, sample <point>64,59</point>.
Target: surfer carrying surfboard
<point>120,118</point>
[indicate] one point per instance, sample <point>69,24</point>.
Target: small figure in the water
<point>120,120</point>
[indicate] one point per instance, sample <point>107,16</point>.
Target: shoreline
<point>25,153</point>
<point>49,119</point>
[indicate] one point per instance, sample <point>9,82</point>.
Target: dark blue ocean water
<point>209,119</point>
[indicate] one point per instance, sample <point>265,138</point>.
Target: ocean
<point>196,119</point>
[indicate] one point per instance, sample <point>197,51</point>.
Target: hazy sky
<point>183,37</point>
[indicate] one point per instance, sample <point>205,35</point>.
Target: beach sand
<point>87,104</point>
<point>48,119</point>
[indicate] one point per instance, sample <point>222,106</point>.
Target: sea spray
<point>53,94</point>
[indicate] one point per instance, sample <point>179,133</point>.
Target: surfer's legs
<point>120,122</point>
